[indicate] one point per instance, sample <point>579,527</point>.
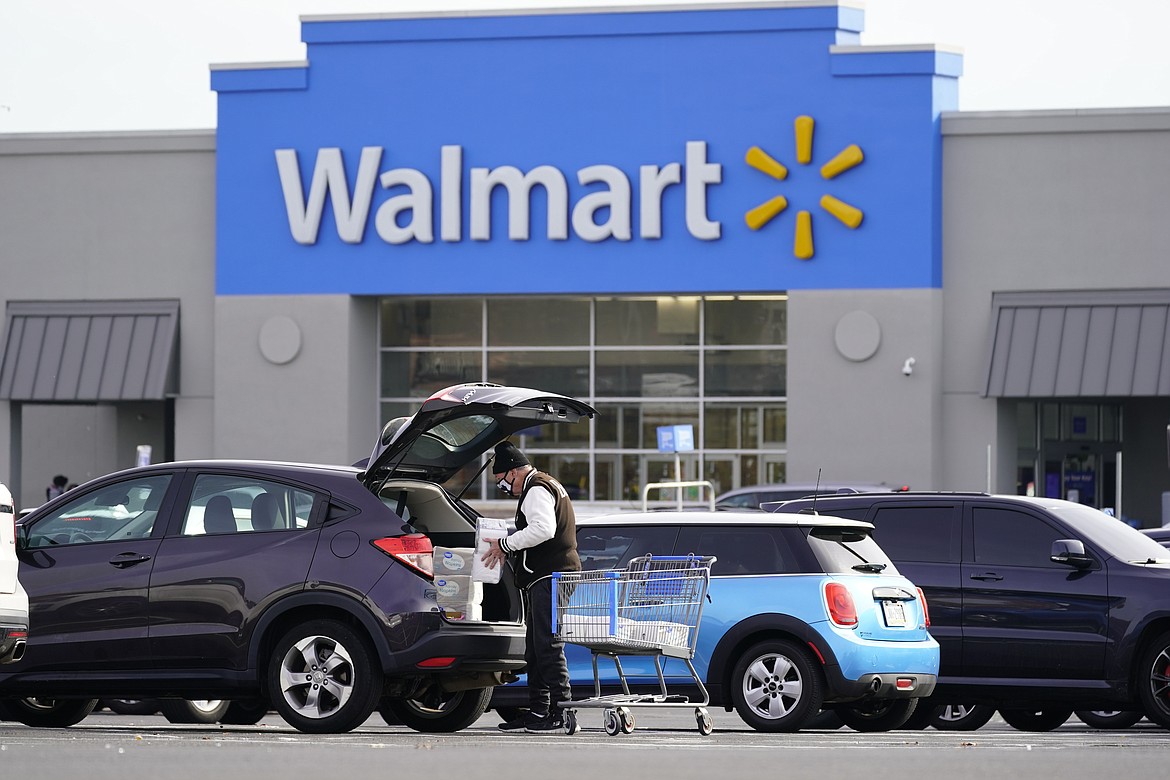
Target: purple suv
<point>304,588</point>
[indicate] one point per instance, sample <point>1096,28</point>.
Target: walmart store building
<point>734,217</point>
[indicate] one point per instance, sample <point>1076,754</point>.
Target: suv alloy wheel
<point>323,679</point>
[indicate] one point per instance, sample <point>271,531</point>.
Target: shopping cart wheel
<point>626,718</point>
<point>571,725</point>
<point>703,718</point>
<point>613,726</point>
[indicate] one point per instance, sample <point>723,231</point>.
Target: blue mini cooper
<point>805,613</point>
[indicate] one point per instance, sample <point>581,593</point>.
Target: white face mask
<point>504,486</point>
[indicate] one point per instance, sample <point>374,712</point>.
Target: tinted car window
<point>612,547</point>
<point>230,504</point>
<point>918,533</point>
<point>1011,538</point>
<point>846,550</point>
<point>739,550</point>
<point>124,510</point>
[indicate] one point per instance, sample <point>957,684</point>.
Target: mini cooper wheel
<point>323,678</point>
<point>775,686</point>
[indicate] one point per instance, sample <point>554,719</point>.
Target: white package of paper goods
<point>486,528</point>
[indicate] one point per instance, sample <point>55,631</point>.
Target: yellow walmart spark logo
<point>762,214</point>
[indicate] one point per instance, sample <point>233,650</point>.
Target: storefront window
<point>666,321</point>
<point>746,372</point>
<point>559,371</point>
<point>639,373</point>
<point>419,374</point>
<point>538,322</point>
<point>432,322</point>
<point>716,363</point>
<point>746,320</point>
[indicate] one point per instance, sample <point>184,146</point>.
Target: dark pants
<point>548,674</point>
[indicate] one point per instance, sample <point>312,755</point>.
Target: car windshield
<point>1110,534</point>
<point>848,550</point>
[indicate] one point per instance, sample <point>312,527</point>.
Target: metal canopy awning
<point>89,351</point>
<point>1111,343</point>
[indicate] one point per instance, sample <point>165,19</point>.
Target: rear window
<point>740,550</point>
<point>848,550</point>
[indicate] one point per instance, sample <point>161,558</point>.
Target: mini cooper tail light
<point>842,610</point>
<point>925,607</point>
<point>414,550</point>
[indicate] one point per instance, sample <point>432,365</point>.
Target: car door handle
<point>988,577</point>
<point>122,560</point>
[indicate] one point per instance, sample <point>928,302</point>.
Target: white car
<point>13,599</point>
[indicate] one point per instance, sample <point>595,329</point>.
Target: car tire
<point>47,713</point>
<point>1106,719</point>
<point>877,714</point>
<point>921,717</point>
<point>1036,719</point>
<point>323,679</point>
<point>444,713</point>
<point>776,687</point>
<point>245,712</point>
<point>825,720</point>
<point>1152,676</point>
<point>131,706</point>
<point>961,717</point>
<point>193,711</point>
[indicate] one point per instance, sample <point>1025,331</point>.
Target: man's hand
<point>494,554</point>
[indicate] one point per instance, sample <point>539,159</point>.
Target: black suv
<point>1040,606</point>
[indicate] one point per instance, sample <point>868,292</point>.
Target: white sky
<point>70,65</point>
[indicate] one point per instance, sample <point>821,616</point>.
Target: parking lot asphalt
<point>664,743</point>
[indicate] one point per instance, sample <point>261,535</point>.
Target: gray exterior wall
<point>110,216</point>
<point>1052,200</point>
<point>318,407</point>
<point>865,421</point>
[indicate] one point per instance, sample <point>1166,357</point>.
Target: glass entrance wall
<point>718,363</point>
<point>1068,450</point>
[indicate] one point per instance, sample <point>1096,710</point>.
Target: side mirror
<point>1070,552</point>
<point>21,537</point>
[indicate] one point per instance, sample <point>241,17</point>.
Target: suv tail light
<point>414,550</point>
<point>925,606</point>
<point>842,610</point>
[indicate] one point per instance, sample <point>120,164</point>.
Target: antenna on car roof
<point>816,490</point>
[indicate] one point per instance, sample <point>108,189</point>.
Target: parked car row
<point>309,590</point>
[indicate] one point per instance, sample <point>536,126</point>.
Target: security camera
<point>908,366</point>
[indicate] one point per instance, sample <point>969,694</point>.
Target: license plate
<point>895,613</point>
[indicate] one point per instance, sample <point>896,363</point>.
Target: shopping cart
<point>652,607</point>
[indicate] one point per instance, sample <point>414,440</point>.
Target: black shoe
<point>521,722</point>
<point>549,724</point>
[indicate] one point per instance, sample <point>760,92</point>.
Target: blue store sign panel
<point>741,149</point>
